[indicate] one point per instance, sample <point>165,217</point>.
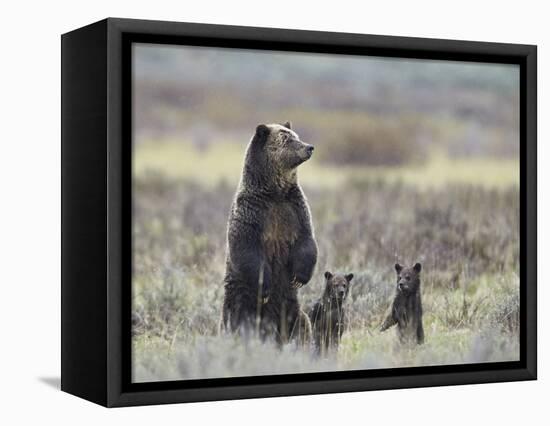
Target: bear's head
<point>408,278</point>
<point>281,147</point>
<point>337,286</point>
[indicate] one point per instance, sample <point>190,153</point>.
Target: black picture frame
<point>96,212</point>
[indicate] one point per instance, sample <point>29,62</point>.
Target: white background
<point>30,212</point>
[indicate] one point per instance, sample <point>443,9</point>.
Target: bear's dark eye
<point>408,278</point>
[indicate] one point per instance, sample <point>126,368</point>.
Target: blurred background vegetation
<point>414,161</point>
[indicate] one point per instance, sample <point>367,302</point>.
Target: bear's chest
<point>280,229</point>
<point>405,311</point>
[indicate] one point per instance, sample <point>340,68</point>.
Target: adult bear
<point>271,249</point>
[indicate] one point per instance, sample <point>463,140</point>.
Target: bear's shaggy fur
<point>328,316</point>
<point>406,309</point>
<point>271,249</point>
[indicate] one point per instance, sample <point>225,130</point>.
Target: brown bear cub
<point>328,316</point>
<point>406,310</point>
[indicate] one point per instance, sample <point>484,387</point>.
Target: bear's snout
<point>308,150</point>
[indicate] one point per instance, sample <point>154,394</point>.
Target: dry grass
<point>466,236</point>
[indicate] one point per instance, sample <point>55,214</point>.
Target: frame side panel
<point>119,215</point>
<point>83,212</point>
<point>531,211</point>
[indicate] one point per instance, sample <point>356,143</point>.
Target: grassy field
<point>459,217</point>
<point>222,162</point>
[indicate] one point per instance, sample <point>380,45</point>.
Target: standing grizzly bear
<point>328,316</point>
<point>271,249</point>
<point>406,309</point>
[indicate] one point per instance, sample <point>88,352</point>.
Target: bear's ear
<point>262,131</point>
<point>417,267</point>
<point>349,277</point>
<point>288,125</point>
<point>398,267</point>
<point>328,275</point>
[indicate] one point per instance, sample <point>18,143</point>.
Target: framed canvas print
<point>253,212</point>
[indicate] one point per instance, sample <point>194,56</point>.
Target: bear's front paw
<point>295,283</point>
<point>302,277</point>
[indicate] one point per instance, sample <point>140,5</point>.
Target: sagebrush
<point>465,236</point>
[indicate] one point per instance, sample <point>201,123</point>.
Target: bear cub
<point>328,316</point>
<point>406,309</point>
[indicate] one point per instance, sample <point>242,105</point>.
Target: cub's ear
<point>349,277</point>
<point>288,125</point>
<point>417,267</point>
<point>328,275</point>
<point>398,267</point>
<point>262,131</point>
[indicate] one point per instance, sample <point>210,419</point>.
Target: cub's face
<point>408,278</point>
<point>283,147</point>
<point>337,286</point>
